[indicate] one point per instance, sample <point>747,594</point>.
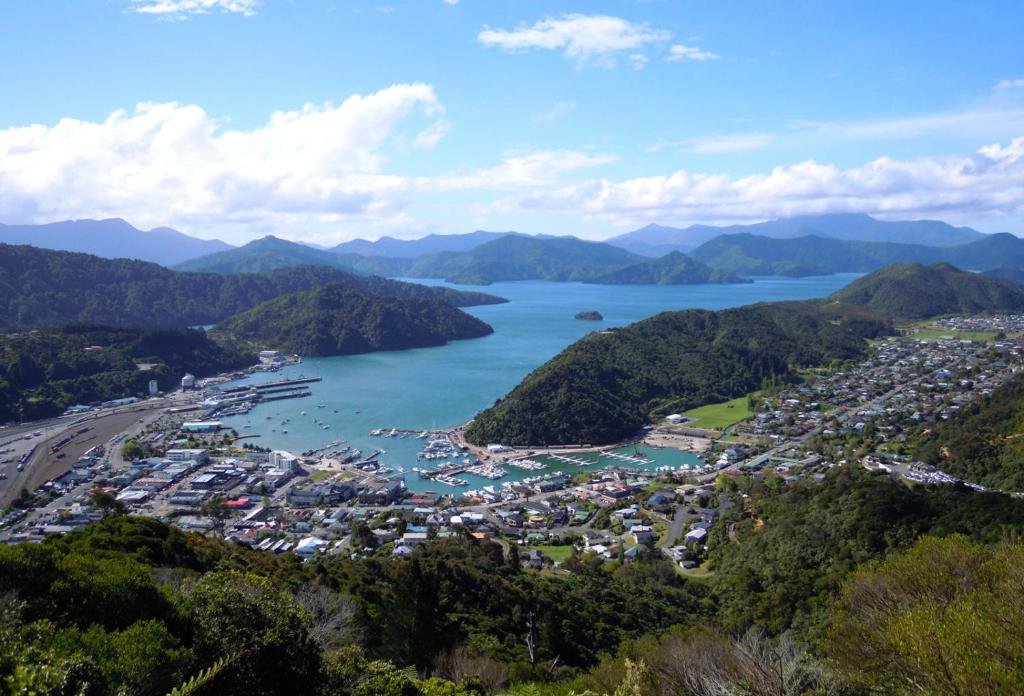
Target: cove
<point>439,387</point>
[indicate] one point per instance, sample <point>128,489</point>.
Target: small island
<point>589,316</point>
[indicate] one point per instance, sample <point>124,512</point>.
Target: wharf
<point>571,460</point>
<point>271,385</point>
<point>634,459</point>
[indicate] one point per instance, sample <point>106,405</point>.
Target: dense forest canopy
<point>341,320</point>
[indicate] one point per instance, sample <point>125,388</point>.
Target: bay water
<point>433,388</point>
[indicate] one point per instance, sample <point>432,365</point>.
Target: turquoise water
<point>431,388</point>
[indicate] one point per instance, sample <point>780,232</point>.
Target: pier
<point>634,459</point>
<point>571,460</point>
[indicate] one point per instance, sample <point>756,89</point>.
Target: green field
<point>719,416</point>
<point>932,333</point>
<point>557,554</point>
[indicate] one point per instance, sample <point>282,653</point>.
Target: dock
<point>572,460</point>
<point>634,459</point>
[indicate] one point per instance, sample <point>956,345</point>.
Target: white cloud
<point>1010,84</point>
<point>181,9</point>
<point>520,171</point>
<point>717,144</point>
<point>682,52</point>
<point>554,114</point>
<point>638,61</point>
<point>175,164</point>
<point>451,2</point>
<point>989,182</point>
<point>581,38</point>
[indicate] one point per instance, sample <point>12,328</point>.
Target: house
<point>642,534</point>
<point>696,536</point>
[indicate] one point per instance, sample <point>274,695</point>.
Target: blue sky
<point>586,118</point>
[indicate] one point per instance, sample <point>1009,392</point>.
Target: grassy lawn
<point>319,474</point>
<point>557,554</point>
<point>719,416</point>
<point>931,333</point>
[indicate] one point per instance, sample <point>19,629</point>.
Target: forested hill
<point>517,257</point>
<point>42,288</point>
<point>342,320</point>
<point>913,291</point>
<point>607,385</point>
<point>984,442</point>
<point>674,268</point>
<point>44,372</point>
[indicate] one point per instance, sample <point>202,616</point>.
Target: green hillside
<point>984,442</point>
<point>341,320</point>
<point>41,288</point>
<point>607,385</point>
<point>44,372</point>
<point>674,268</point>
<point>913,291</point>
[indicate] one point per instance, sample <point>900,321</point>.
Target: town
<point>177,464</point>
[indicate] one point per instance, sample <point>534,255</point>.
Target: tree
<point>131,451</point>
<point>946,616</point>
<point>246,615</point>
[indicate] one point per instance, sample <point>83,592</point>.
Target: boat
<point>423,435</point>
<point>394,431</point>
<point>376,432</point>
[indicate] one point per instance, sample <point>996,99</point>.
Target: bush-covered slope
<point>913,291</point>
<point>341,320</point>
<point>984,442</point>
<point>605,386</point>
<point>44,372</point>
<point>42,288</point>
<point>674,268</point>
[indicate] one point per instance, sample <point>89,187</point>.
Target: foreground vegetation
<point>132,606</point>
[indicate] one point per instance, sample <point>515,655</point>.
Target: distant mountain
<point>674,268</point>
<point>748,254</point>
<point>42,288</point>
<point>411,248</point>
<point>524,258</point>
<point>656,240</point>
<point>1014,275</point>
<point>914,291</point>
<point>113,239</point>
<point>341,320</point>
<point>262,255</point>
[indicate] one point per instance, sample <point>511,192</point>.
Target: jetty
<point>578,461</point>
<point>634,459</point>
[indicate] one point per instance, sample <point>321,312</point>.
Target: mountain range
<point>113,239</point>
<point>753,255</point>
<point>657,240</point>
